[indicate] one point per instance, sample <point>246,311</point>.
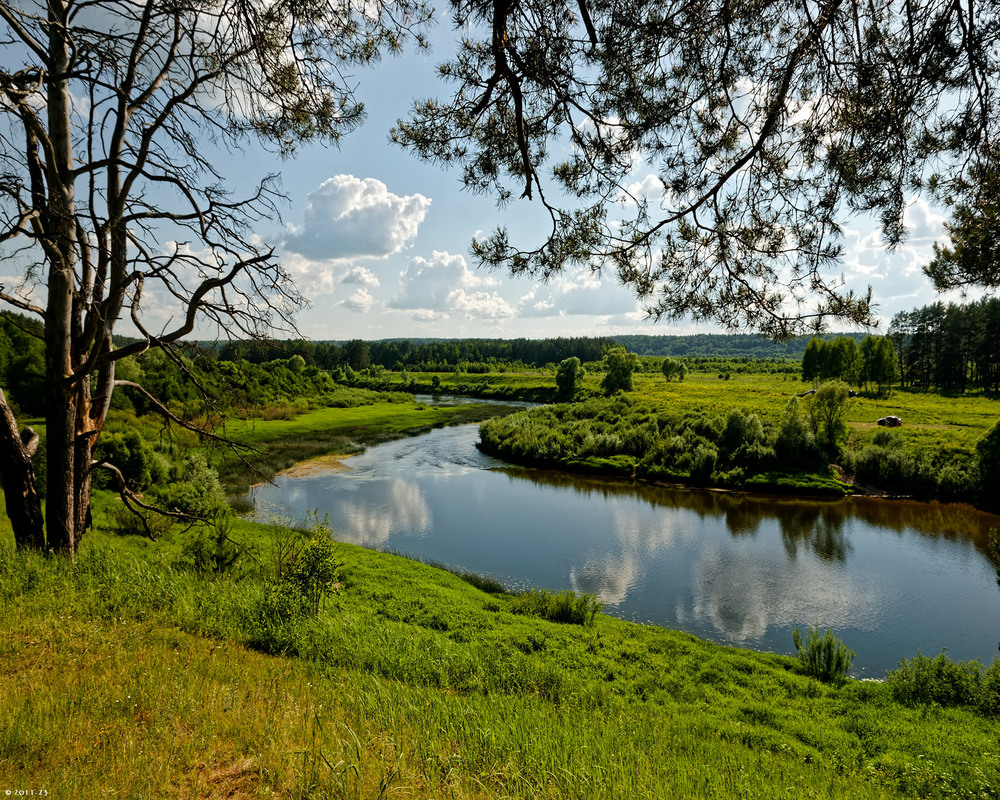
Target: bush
<point>823,655</point>
<point>941,681</point>
<point>125,522</point>
<point>195,491</point>
<point>210,549</point>
<point>568,376</point>
<point>795,444</point>
<point>133,456</point>
<point>306,565</point>
<point>703,462</point>
<point>741,430</point>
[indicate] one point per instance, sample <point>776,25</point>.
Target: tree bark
<point>24,509</point>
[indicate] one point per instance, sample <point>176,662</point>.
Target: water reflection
<point>369,518</point>
<point>818,530</point>
<point>609,578</point>
<point>891,578</point>
<point>403,508</point>
<point>812,523</point>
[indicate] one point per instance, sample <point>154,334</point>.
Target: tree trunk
<point>61,246</point>
<point>24,509</point>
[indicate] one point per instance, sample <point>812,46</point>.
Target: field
<point>951,424</point>
<point>280,443</point>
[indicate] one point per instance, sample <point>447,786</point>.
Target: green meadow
<point>277,444</point>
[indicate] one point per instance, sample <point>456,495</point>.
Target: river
<point>890,577</point>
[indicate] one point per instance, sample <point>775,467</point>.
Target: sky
<point>378,241</point>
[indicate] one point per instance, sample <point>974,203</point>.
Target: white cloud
<point>311,277</point>
<point>580,292</point>
<point>650,188</point>
<point>896,276</point>
<point>482,305</point>
<point>361,300</point>
<point>360,275</point>
<point>348,217</point>
<point>440,287</point>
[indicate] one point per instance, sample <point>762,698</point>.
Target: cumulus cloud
<point>482,305</point>
<point>349,217</point>
<point>896,276</point>
<point>650,188</point>
<point>361,300</point>
<point>444,286</point>
<point>311,277</point>
<point>360,275</point>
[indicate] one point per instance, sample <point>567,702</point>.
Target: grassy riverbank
<point>132,674</point>
<point>280,443</point>
<point>753,432</point>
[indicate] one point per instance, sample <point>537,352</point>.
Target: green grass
<point>948,425</point>
<point>131,676</point>
<point>669,431</point>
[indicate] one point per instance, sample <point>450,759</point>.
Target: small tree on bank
<point>619,365</point>
<point>568,374</point>
<point>827,409</point>
<point>109,196</point>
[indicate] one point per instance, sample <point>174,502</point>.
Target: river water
<point>890,577</point>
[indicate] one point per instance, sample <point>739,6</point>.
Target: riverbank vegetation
<point>150,670</point>
<point>754,432</point>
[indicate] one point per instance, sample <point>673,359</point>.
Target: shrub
<point>939,680</point>
<point>210,549</point>
<point>741,429</point>
<point>125,522</point>
<point>133,456</point>
<point>795,444</point>
<point>196,490</point>
<point>568,376</point>
<point>952,484</point>
<point>823,655</point>
<point>305,565</point>
<point>703,461</point>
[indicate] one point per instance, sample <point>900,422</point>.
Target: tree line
<point>447,355</point>
<point>721,345</point>
<point>871,365</point>
<point>952,348</point>
<point>472,355</point>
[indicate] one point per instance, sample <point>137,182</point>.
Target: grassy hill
<point>138,672</point>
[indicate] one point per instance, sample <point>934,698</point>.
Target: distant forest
<point>950,348</point>
<point>472,355</point>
